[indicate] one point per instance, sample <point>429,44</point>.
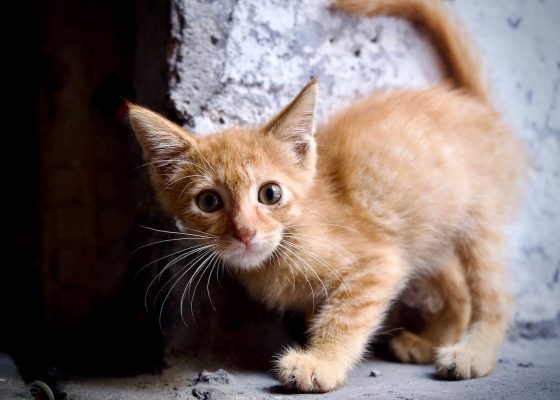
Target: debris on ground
<point>220,376</point>
<point>205,394</point>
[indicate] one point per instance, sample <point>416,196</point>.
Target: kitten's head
<point>239,188</point>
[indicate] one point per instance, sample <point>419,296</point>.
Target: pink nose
<point>244,236</point>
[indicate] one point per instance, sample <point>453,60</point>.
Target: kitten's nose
<point>244,235</point>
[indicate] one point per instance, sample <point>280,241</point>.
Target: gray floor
<point>526,370</point>
<point>11,385</point>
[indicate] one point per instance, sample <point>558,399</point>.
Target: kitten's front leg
<point>340,331</point>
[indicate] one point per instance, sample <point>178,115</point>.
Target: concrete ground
<point>11,385</point>
<point>527,369</point>
<point>518,45</point>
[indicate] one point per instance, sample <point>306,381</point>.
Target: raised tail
<point>454,47</point>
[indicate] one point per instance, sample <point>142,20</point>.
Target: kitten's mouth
<point>247,257</point>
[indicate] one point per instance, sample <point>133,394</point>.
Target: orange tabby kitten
<point>333,223</point>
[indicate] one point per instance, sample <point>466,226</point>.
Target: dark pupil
<point>270,194</point>
<point>209,201</point>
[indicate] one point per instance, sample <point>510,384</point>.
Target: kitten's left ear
<point>295,124</point>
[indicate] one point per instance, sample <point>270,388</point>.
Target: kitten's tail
<point>461,62</point>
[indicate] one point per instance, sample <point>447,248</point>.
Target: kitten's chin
<point>241,258</point>
<point>247,261</point>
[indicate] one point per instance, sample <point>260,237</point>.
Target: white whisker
<point>174,181</point>
<point>158,242</point>
<point>214,263</point>
<point>185,268</point>
<point>322,239</point>
<point>161,258</point>
<point>281,247</point>
<point>310,268</point>
<point>189,265</point>
<point>324,224</point>
<point>276,258</point>
<point>202,270</point>
<point>206,161</point>
<point>318,258</point>
<point>167,266</point>
<point>185,188</point>
<point>181,161</point>
<point>203,234</point>
<point>168,161</point>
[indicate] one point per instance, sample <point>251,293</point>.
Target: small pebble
<point>526,365</point>
<point>374,373</point>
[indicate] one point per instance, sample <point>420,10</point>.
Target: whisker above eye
<point>177,160</point>
<point>185,189</point>
<point>174,181</point>
<point>174,160</point>
<point>206,161</point>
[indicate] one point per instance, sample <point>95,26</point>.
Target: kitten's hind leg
<point>447,326</point>
<point>412,348</point>
<point>475,353</point>
<point>340,330</point>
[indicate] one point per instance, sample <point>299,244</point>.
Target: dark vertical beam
<point>22,323</point>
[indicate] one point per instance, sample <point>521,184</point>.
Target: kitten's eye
<point>270,193</point>
<point>209,201</point>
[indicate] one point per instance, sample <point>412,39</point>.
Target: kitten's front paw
<point>303,371</point>
<point>411,348</point>
<point>459,362</point>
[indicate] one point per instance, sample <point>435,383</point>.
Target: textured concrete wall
<point>238,61</point>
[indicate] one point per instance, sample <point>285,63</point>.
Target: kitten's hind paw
<point>302,371</point>
<point>459,362</point>
<point>411,348</point>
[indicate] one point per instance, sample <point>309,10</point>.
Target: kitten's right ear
<point>163,143</point>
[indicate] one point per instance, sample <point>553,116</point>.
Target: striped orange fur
<point>403,183</point>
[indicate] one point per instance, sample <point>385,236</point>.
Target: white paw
<point>459,362</point>
<point>302,371</point>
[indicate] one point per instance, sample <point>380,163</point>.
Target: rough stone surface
<point>238,61</point>
<point>526,369</point>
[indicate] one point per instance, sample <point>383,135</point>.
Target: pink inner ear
<point>301,149</point>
